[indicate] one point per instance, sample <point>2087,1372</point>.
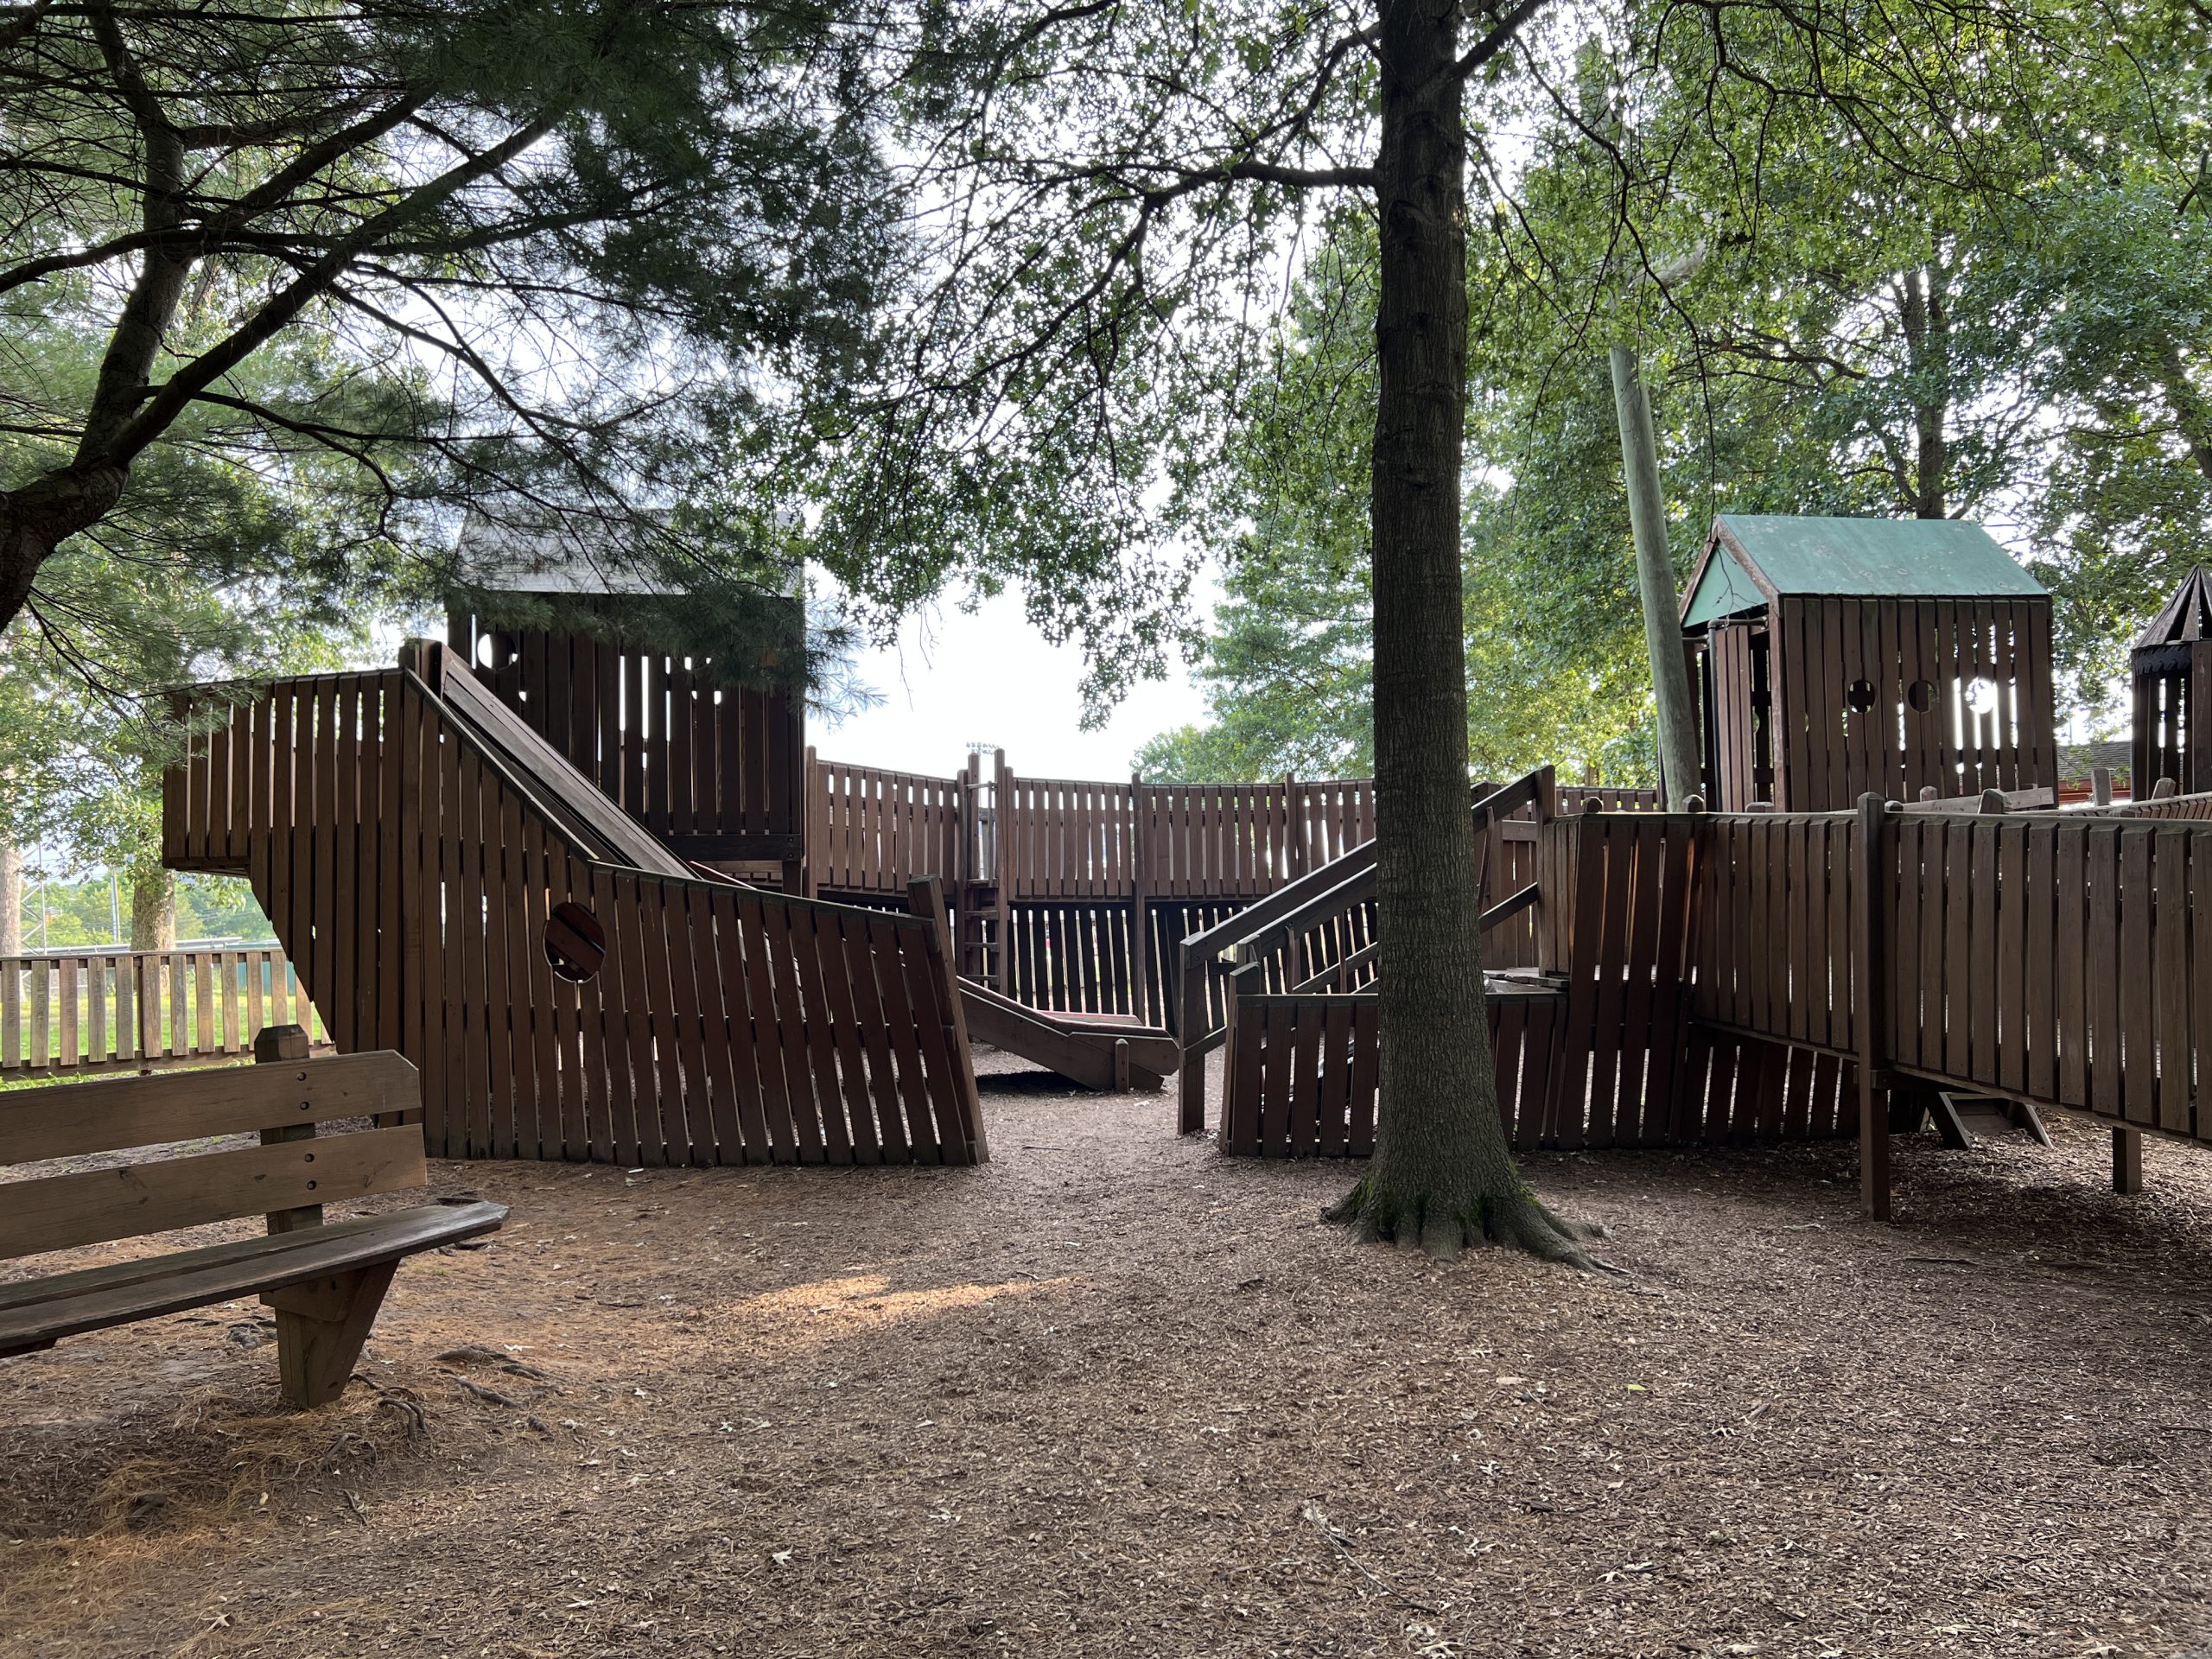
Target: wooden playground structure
<point>697,942</point>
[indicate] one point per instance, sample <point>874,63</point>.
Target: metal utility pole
<point>1655,575</point>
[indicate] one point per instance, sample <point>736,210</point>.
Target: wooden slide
<point>1104,1051</point>
<point>448,887</point>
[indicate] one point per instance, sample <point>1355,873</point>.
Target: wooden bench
<point>326,1280</point>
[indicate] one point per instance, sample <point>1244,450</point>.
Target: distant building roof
<point>510,558</point>
<point>1753,558</point>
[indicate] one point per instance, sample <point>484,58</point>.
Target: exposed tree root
<point>1516,1220</point>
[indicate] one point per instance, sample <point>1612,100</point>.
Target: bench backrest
<point>59,1211</point>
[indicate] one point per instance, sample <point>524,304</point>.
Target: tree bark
<point>11,900</point>
<point>2192,410</point>
<point>1442,1175</point>
<point>1927,323</point>
<point>1655,578</point>
<point>153,910</point>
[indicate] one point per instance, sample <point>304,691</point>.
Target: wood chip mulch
<point>1113,1395</point>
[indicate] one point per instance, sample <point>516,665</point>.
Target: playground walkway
<point>1108,1395</point>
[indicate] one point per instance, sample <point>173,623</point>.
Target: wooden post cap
<point>273,1043</point>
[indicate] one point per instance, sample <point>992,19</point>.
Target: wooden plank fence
<point>1301,1070</point>
<point>95,1011</point>
<point>712,766</point>
<point>439,902</point>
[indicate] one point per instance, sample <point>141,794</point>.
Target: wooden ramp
<point>448,887</point>
<point>1096,1050</point>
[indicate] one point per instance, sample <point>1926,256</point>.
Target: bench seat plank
<point>35,1314</point>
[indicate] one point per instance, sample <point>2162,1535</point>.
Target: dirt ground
<point>1113,1395</point>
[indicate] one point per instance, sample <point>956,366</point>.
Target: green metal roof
<point>1753,558</point>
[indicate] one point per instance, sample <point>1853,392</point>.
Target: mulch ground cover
<point>1114,1395</point>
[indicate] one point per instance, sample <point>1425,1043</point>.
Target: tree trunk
<point>1655,578</point>
<point>1442,1174</point>
<point>11,900</point>
<point>38,517</point>
<point>2192,411</point>
<point>153,910</point>
<point>1927,323</point>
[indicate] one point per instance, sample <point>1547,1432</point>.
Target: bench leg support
<point>320,1327</point>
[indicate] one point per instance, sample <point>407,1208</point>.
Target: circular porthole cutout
<point>1982,696</point>
<point>576,943</point>
<point>494,652</point>
<point>1860,695</point>
<point>1920,695</point>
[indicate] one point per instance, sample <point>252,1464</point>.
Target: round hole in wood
<point>1860,695</point>
<point>494,652</point>
<point>575,941</point>
<point>1921,695</point>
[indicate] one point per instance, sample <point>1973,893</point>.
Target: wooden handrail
<point>1321,894</point>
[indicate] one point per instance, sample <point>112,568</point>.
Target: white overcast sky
<point>955,679</point>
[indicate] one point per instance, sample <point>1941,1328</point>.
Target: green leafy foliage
<point>1840,312</point>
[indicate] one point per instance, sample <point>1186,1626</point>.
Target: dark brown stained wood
<point>59,1212</point>
<point>554,1026</point>
<point>440,1124</point>
<point>818,954</point>
<point>2039,960</point>
<point>2070,961</point>
<point>1957,946</point>
<point>721,1054</point>
<point>106,1114</point>
<point>1934,938</point>
<point>1844,1014</point>
<point>2139,1057</point>
<point>757,1061</point>
<point>1755,1000</point>
<point>787,1031</point>
<point>917,1030</point>
<point>465,922</point>
<point>778,1030</point>
<point>1610,966</point>
<point>670,1133</point>
<point>1334,1111</point>
<point>1583,869</point>
<point>687,1039</point>
<point>1240,1131</point>
<point>1774,836</point>
<point>616,1136</point>
<point>1662,1124</point>
<point>37,1313</point>
<point>853,946</point>
<point>1797,849</point>
<point>501,887</point>
<point>2200,972</point>
<point>1982,947</point>
<point>1640,842</point>
<point>405,715</point>
<point>873,1008</point>
<point>1307,1023</point>
<point>2171,919</point>
<point>349,969</point>
<point>321,965</point>
<point>2104,951</point>
<point>1276,1026</point>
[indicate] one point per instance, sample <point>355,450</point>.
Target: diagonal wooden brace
<point>320,1326</point>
